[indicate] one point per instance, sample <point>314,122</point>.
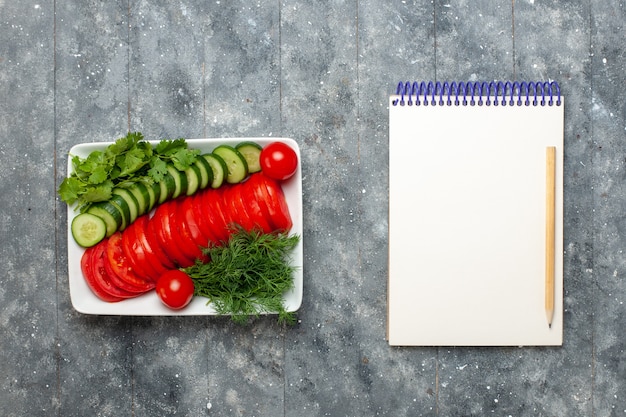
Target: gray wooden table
<point>319,72</point>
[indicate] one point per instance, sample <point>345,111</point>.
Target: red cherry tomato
<point>175,289</point>
<point>278,161</point>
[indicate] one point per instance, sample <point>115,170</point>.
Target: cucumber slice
<point>140,192</point>
<point>88,229</point>
<point>235,162</point>
<point>219,168</point>
<point>180,181</point>
<point>193,179</point>
<point>111,215</point>
<point>122,206</point>
<point>154,193</point>
<point>252,152</point>
<point>131,202</point>
<point>167,187</point>
<point>206,173</point>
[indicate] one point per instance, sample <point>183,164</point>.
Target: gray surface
<point>320,72</point>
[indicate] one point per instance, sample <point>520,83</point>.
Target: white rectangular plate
<point>84,301</point>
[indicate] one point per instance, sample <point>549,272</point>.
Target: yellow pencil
<point>550,207</point>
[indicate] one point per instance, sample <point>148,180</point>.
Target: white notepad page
<point>467,210</point>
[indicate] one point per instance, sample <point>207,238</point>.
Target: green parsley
<point>247,275</point>
<point>127,160</point>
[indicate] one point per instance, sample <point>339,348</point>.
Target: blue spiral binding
<point>496,93</point>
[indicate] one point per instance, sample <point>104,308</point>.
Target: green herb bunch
<point>127,160</point>
<point>247,275</point>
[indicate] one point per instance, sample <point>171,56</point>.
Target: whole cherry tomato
<point>175,289</point>
<point>278,161</point>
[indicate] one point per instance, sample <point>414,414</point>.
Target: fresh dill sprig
<point>248,275</point>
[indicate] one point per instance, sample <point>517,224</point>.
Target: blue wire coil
<point>494,93</point>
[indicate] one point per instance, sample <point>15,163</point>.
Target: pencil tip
<point>549,325</point>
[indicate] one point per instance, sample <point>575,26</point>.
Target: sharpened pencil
<point>550,226</point>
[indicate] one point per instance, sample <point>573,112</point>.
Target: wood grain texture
<point>320,72</point>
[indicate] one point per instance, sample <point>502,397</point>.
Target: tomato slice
<point>221,209</point>
<point>192,222</point>
<point>232,213</point>
<point>236,208</point>
<point>166,237</point>
<point>119,282</point>
<point>276,204</point>
<point>253,192</point>
<point>181,233</point>
<point>161,228</point>
<point>251,206</point>
<point>202,216</point>
<point>136,254</point>
<point>122,268</point>
<point>210,203</point>
<point>99,257</point>
<point>147,254</point>
<point>151,237</point>
<point>272,200</point>
<point>86,266</point>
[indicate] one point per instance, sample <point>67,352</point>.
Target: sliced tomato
<point>246,198</point>
<point>203,217</point>
<point>210,202</point>
<point>188,217</point>
<point>252,192</point>
<point>86,266</point>
<point>221,209</point>
<point>151,237</point>
<point>122,268</point>
<point>147,254</point>
<point>229,212</point>
<point>271,198</point>
<point>237,207</point>
<point>161,227</point>
<point>136,254</point>
<point>182,235</point>
<point>276,204</point>
<point>166,236</point>
<point>102,279</point>
<point>119,282</point>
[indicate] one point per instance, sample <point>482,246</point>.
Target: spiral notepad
<point>475,214</point>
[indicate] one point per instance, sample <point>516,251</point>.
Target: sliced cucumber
<point>252,152</point>
<point>167,186</point>
<point>154,193</point>
<point>193,179</point>
<point>219,168</point>
<point>180,181</point>
<point>122,206</point>
<point>111,215</point>
<point>206,173</point>
<point>140,192</point>
<point>88,229</point>
<point>131,201</point>
<point>235,162</point>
